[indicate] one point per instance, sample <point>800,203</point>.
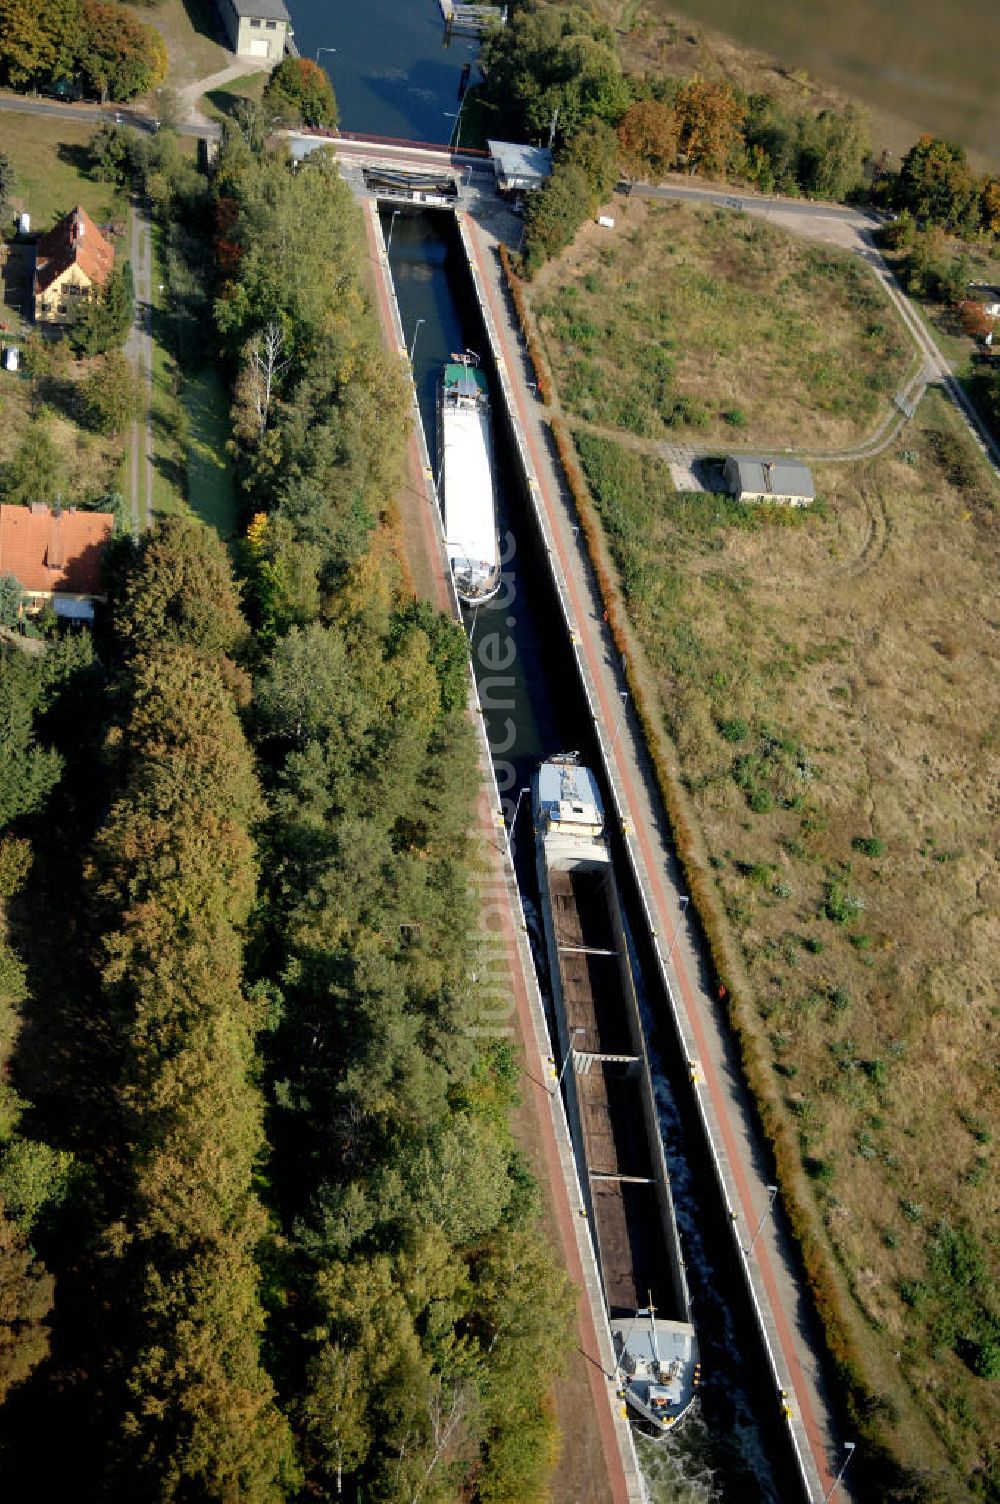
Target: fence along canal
<point>534,705</point>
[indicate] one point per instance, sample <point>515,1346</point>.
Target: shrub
<point>735,730</point>
<point>840,906</point>
<point>869,845</point>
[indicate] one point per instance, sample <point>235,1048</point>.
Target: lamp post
<point>392,226</point>
<point>772,1191</point>
<point>565,1061</point>
<point>324,49</point>
<point>683,901</point>
<point>413,342</point>
<point>849,1447</point>
<point>621,718</point>
<point>517,807</point>
<point>456,130</point>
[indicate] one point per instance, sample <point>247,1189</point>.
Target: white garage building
<point>256,28</point>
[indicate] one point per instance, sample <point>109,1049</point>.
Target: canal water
<point>393,70</point>
<point>729,1448</point>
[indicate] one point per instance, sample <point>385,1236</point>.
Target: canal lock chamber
<point>736,1447</point>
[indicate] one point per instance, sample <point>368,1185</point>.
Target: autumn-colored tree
<point>25,1301</point>
<point>306,88</point>
<point>37,39</point>
<point>710,116</point>
<point>118,55</point>
<point>649,135</point>
<point>976,322</point>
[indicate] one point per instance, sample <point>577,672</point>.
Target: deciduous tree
<point>306,88</point>
<point>648,133</point>
<point>36,472</point>
<point>937,186</point>
<point>710,118</point>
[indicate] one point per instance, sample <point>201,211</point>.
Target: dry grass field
<point>698,325</point>
<point>831,682</point>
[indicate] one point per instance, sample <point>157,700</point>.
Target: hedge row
<point>524,319</point>
<point>865,1409</point>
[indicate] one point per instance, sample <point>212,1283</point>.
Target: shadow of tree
<point>77,156</point>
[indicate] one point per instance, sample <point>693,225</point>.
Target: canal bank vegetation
<point>261,1139</point>
<point>817,692</point>
<point>555,72</point>
<point>698,322</point>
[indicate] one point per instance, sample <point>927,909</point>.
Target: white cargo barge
<point>610,1100</point>
<point>465,460</point>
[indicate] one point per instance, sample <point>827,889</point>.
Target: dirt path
<point>853,231</point>
<point>139,350</point>
<point>191,94</point>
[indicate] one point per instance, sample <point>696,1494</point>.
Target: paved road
<point>96,115</point>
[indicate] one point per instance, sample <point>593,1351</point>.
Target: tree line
<point>270,1162</point>
<point>555,74</point>
<point>47,42</point>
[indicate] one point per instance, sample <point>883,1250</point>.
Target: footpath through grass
<point>830,681</point>
<point>704,325</point>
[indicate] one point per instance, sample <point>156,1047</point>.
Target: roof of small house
<point>74,240</point>
<point>266,10</point>
<point>763,477</point>
<point>532,163</point>
<point>50,549</point>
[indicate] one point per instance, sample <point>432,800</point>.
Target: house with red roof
<point>56,556</point>
<point>72,262</point>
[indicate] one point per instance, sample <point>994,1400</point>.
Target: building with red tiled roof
<point>56,555</point>
<point>73,261</point>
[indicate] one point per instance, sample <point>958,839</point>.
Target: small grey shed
<point>751,479</point>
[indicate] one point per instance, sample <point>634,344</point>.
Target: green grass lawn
<point>703,324</point>
<point>190,428</point>
<point>218,104</point>
<point>50,166</point>
<point>211,493</point>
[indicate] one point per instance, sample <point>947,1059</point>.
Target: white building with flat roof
<point>257,28</point>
